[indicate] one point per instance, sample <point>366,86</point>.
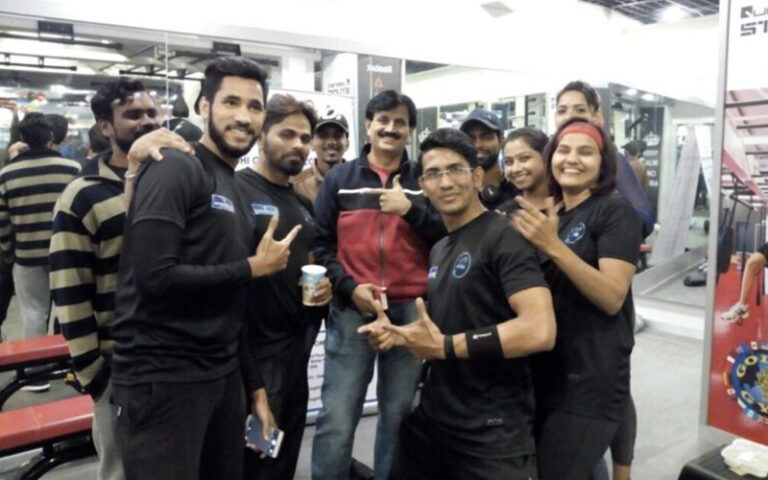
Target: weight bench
<point>61,428</point>
<point>49,354</point>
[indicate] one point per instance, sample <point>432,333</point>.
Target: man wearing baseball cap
<point>330,142</point>
<point>486,131</point>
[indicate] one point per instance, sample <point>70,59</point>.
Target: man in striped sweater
<point>85,251</point>
<point>29,188</point>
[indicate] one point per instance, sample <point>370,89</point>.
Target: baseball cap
<point>331,117</point>
<point>487,118</point>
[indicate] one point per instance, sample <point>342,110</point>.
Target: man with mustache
<point>182,294</point>
<point>85,250</point>
<point>282,329</point>
<point>486,131</point>
<point>330,142</point>
<point>374,231</point>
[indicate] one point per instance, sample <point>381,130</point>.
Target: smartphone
<point>253,437</point>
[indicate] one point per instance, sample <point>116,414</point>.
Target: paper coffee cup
<point>311,275</point>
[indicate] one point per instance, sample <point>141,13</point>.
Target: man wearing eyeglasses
<point>374,231</point>
<point>489,308</point>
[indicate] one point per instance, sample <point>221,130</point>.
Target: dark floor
<point>666,385</point>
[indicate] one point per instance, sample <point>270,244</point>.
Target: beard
<point>488,162</point>
<point>125,144</point>
<point>225,148</point>
<point>288,163</point>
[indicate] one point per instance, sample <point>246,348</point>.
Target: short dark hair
<point>590,94</point>
<point>282,105</point>
<point>452,139</point>
<point>35,130</point>
<point>533,137</point>
<point>96,140</point>
<point>232,67</point>
<point>388,100</point>
<point>60,126</point>
<point>113,93</point>
<point>606,179</point>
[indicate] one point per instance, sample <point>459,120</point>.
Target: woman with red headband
<point>591,239</point>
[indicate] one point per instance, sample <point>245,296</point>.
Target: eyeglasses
<point>455,172</point>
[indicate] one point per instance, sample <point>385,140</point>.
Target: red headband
<point>586,129</point>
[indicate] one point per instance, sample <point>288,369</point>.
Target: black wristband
<point>450,354</point>
<point>484,344</point>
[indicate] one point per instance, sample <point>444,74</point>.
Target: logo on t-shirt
<point>432,272</point>
<point>264,209</point>
<point>575,234</point>
<point>462,264</point>
<point>220,202</point>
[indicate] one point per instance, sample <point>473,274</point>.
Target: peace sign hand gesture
<point>272,255</point>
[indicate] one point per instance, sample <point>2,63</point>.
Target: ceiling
<point>650,11</point>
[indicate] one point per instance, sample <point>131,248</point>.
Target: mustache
<point>383,134</point>
<point>245,128</point>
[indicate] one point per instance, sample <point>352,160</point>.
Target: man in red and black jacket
<point>374,231</point>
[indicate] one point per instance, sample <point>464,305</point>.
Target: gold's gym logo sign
<point>747,379</point>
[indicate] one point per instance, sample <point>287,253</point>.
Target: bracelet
<point>130,175</point>
<point>484,344</point>
<point>450,353</point>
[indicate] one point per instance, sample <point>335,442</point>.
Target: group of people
<point>494,297</point>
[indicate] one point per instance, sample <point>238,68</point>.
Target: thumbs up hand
<point>537,227</point>
<point>392,200</point>
<point>272,255</point>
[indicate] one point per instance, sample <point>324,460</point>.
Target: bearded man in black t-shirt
<point>489,308</point>
<point>282,329</point>
<point>182,294</point>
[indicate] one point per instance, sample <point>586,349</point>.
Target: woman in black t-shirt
<point>591,245</point>
<point>524,167</point>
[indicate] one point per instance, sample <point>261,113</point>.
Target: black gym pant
<point>568,445</point>
<point>285,378</point>
<point>180,431</point>
<point>422,455</point>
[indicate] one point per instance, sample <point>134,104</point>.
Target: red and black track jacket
<point>358,243</point>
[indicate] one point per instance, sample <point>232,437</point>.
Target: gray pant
<point>34,295</point>
<point>104,417</point>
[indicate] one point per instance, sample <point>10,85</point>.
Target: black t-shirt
<point>279,315</point>
<point>189,332</point>
<point>483,407</point>
<point>506,192</point>
<point>588,370</point>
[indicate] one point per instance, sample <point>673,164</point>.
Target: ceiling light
<point>631,92</point>
<point>496,9</point>
<point>673,13</point>
<point>648,97</point>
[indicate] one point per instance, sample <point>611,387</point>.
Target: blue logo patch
<point>264,209</point>
<point>432,272</point>
<point>220,202</point>
<point>462,264</point>
<point>575,234</point>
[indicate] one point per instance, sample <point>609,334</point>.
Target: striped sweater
<point>29,188</point>
<point>85,252</point>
